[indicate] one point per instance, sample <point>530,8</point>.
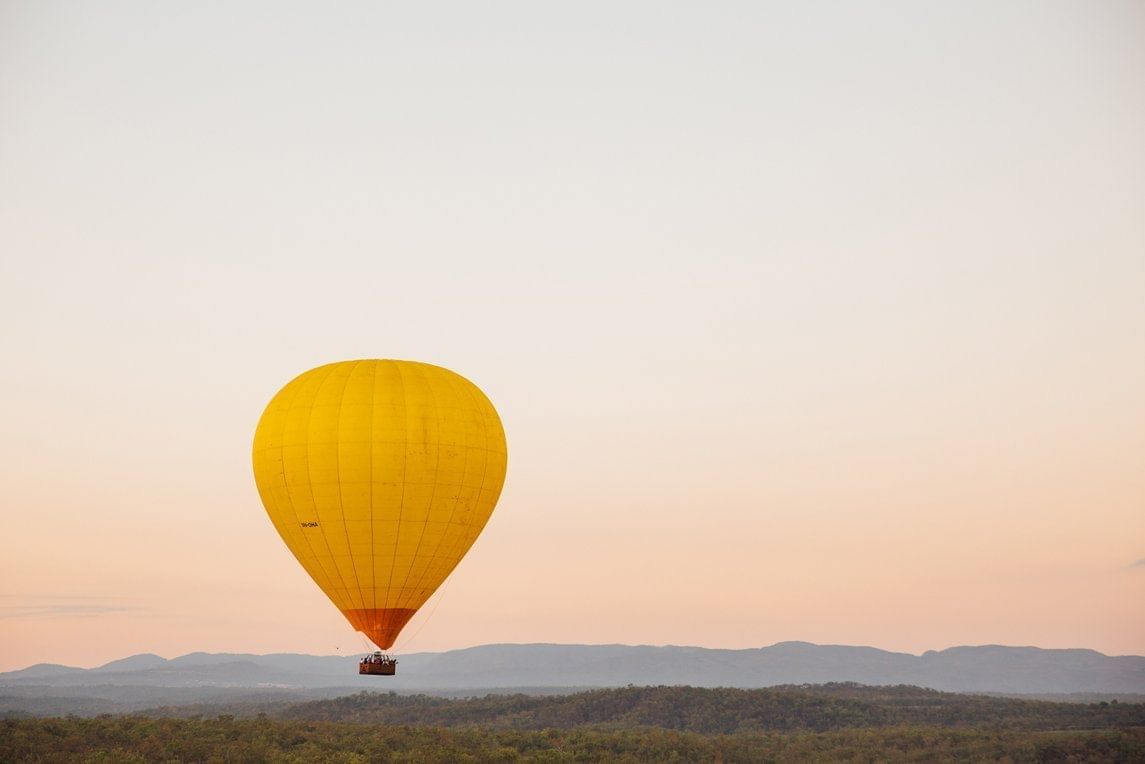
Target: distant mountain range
<point>991,668</point>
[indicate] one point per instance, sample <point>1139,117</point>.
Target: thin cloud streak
<point>61,610</point>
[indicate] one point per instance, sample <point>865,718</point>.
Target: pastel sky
<point>817,320</point>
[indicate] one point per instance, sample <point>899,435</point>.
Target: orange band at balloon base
<point>381,625</point>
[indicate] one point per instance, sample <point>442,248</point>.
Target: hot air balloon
<point>379,475</point>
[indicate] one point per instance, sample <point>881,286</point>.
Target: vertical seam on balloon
<point>310,481</point>
<point>327,580</point>
<point>338,480</point>
<point>433,490</point>
<point>286,488</point>
<point>373,550</point>
<point>433,555</point>
<point>469,538</point>
<point>484,470</point>
<point>405,464</point>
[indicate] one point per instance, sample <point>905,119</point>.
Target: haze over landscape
<point>815,322</point>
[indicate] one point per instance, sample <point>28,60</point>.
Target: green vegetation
<point>825,723</point>
<point>724,711</point>
<point>226,739</point>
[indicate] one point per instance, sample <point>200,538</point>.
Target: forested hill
<point>837,722</point>
<point>723,711</point>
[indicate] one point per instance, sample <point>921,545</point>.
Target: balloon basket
<point>378,665</point>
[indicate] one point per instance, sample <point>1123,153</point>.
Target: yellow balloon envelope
<point>379,475</point>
